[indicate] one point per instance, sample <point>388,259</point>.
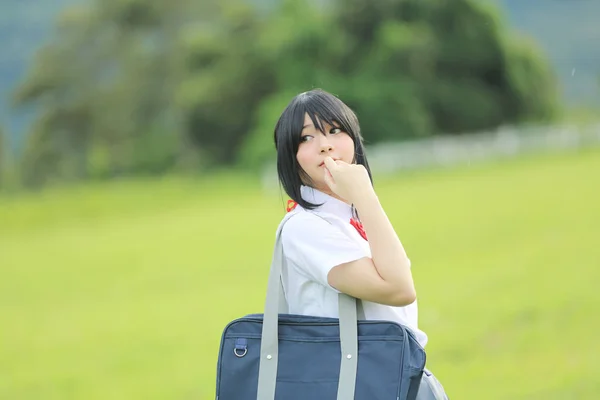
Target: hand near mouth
<point>349,181</point>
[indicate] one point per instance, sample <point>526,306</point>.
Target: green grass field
<point>121,291</point>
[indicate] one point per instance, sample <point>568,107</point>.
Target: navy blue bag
<point>279,356</point>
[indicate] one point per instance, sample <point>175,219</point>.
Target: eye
<point>335,130</point>
<point>305,138</point>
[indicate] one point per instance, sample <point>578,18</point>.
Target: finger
<point>328,178</point>
<point>330,164</point>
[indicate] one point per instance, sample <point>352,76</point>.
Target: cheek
<point>303,157</point>
<point>346,145</point>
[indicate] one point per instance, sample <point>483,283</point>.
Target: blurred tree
<point>143,86</point>
<point>58,85</point>
<point>452,62</point>
<point>226,77</point>
<point>409,68</point>
<point>105,87</point>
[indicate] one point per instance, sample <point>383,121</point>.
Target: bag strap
<point>275,304</point>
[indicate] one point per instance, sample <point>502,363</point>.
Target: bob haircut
<point>321,107</point>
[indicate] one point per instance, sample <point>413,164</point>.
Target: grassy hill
<point>121,291</point>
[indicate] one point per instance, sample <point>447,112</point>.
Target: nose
<point>325,145</point>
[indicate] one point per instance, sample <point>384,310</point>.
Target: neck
<point>325,189</point>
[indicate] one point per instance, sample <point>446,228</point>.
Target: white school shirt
<point>313,246</point>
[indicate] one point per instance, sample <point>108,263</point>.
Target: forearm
<point>387,252</point>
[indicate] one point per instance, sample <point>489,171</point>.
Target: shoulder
<point>301,223</point>
<point>307,228</point>
<point>301,219</point>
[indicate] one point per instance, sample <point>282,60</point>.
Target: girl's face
<point>315,146</point>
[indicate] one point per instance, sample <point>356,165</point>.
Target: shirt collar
<point>329,203</point>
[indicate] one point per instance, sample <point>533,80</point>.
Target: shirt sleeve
<point>315,246</point>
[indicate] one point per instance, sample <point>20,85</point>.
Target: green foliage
<point>533,98</point>
<point>408,68</point>
<point>223,84</point>
<point>259,145</point>
<point>121,291</point>
<point>144,87</point>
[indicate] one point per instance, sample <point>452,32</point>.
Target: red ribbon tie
<point>359,227</point>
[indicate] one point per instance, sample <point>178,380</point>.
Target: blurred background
<point>139,200</point>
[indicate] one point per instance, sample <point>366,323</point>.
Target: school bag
<point>280,356</point>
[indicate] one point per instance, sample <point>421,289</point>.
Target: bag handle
<point>269,350</point>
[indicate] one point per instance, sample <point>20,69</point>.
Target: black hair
<point>321,106</point>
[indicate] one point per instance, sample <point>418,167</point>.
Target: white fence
<point>504,142</point>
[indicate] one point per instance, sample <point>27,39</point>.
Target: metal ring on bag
<point>235,351</point>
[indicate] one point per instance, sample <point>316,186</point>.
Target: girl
<point>322,167</point>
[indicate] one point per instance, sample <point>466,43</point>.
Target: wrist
<point>365,199</point>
